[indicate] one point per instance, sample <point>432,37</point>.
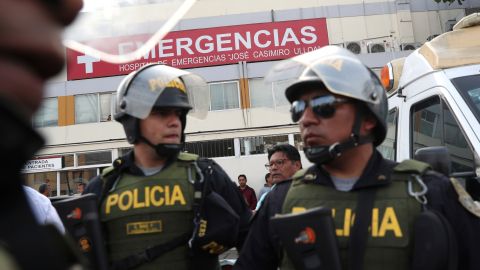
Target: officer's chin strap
<point>325,153</point>
<point>167,150</point>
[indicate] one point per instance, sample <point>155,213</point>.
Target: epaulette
<point>465,199</point>
<point>107,171</point>
<point>117,163</point>
<point>183,156</point>
<point>299,174</point>
<point>412,166</point>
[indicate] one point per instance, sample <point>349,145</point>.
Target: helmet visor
<point>338,69</point>
<point>103,27</point>
<point>144,90</point>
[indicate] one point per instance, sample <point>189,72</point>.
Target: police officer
<point>341,109</point>
<point>30,53</point>
<point>147,200</point>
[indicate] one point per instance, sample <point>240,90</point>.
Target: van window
<point>434,125</point>
<point>469,88</point>
<point>389,146</point>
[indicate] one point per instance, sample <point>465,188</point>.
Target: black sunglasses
<point>322,106</point>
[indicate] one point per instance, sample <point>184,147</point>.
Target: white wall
<point>252,166</point>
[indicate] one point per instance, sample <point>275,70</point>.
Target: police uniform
<point>389,244</point>
<point>141,211</point>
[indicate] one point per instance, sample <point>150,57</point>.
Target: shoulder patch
<point>107,171</point>
<point>411,166</point>
<point>299,174</point>
<point>465,199</point>
<point>187,156</point>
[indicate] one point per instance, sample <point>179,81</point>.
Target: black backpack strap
<point>150,254</point>
<point>199,193</point>
<point>359,236</point>
<point>109,176</point>
<point>434,236</point>
<point>366,198</point>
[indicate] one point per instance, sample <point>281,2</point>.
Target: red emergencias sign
<point>207,47</point>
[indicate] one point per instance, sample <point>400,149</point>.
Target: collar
<point>128,165</point>
<point>376,173</point>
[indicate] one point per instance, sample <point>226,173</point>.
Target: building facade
<point>232,44</point>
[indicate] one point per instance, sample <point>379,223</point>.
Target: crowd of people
<point>161,208</point>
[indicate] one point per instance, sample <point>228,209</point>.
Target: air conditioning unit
<point>449,25</point>
<point>376,47</point>
<point>409,46</point>
<point>429,38</point>
<point>354,47</point>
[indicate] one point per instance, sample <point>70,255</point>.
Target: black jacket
<point>263,251</point>
<point>32,246</point>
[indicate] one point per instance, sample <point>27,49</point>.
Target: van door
<point>432,123</point>
<point>388,148</point>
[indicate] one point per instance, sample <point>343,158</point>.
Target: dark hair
<point>289,150</point>
<point>82,184</point>
<point>241,176</point>
<point>266,177</point>
<point>42,188</point>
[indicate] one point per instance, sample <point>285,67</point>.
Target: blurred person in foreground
<point>30,53</point>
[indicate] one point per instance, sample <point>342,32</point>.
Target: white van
<point>434,100</point>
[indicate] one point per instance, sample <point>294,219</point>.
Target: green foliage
<point>449,1</point>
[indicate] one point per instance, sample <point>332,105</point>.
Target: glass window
<point>224,96</point>
<point>388,147</point>
<point>123,151</point>
<point>107,103</point>
<point>69,160</point>
<point>86,108</point>
<point>260,144</point>
<point>47,115</point>
<point>434,125</point>
<point>260,93</point>
<point>34,180</point>
<point>209,149</point>
<point>469,88</point>
<point>297,139</point>
<point>279,93</point>
<point>70,179</point>
<point>92,158</point>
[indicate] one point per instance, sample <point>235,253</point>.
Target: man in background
<point>248,192</point>
<point>80,188</point>
<point>283,162</point>
<point>44,189</point>
<point>267,186</point>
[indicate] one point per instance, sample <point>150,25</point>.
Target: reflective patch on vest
<point>389,225</point>
<point>146,227</point>
<point>85,244</point>
<point>150,196</point>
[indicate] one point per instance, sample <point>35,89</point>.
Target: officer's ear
<point>298,164</point>
<point>369,122</point>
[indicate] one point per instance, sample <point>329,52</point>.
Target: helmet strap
<point>326,153</point>
<point>166,150</point>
